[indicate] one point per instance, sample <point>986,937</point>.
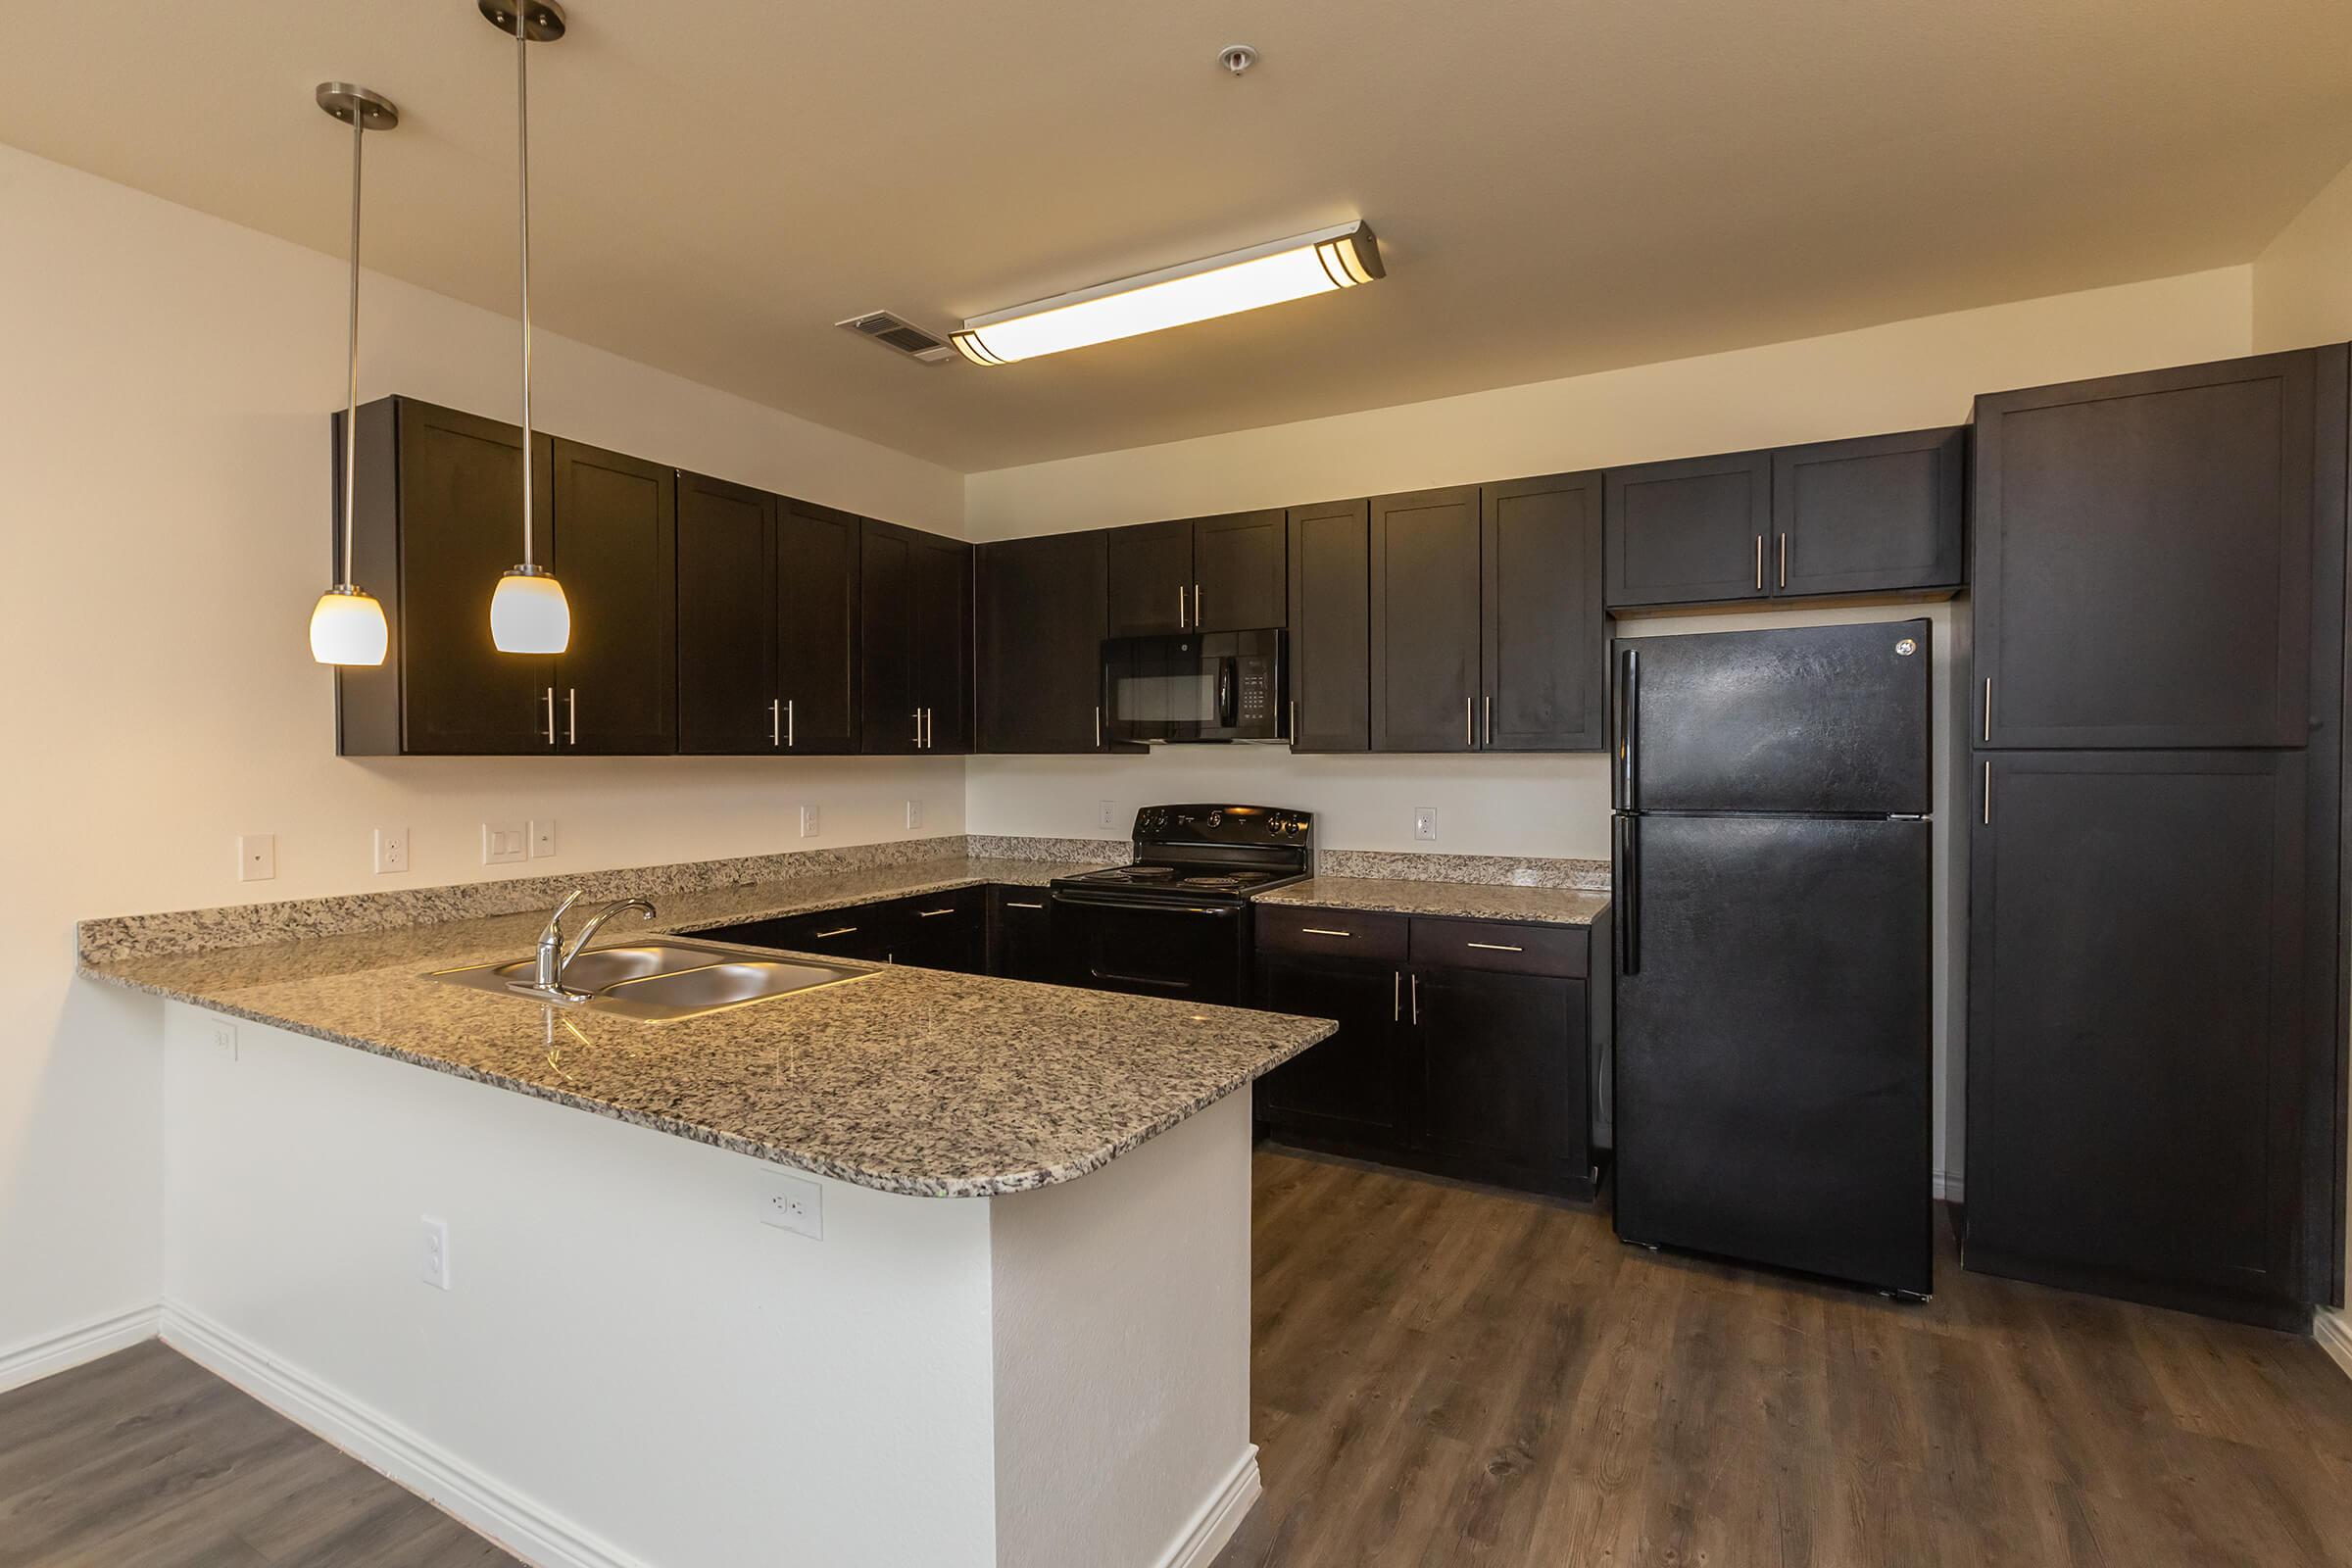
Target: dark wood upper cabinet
<point>439,497</point>
<point>726,617</point>
<point>1239,580</point>
<point>816,628</point>
<point>1330,640</point>
<point>915,630</point>
<point>1884,513</point>
<point>1043,610</point>
<point>1151,572</point>
<point>1544,655</point>
<point>1689,531</point>
<point>2137,944</point>
<point>2143,558</point>
<point>1425,621</point>
<point>615,553</point>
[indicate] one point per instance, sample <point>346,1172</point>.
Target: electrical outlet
<point>434,1269</point>
<point>224,1036</point>
<point>543,837</point>
<point>1108,814</point>
<point>807,821</point>
<point>915,814</point>
<point>505,843</point>
<point>793,1204</point>
<point>1425,823</point>
<point>257,857</point>
<point>391,850</point>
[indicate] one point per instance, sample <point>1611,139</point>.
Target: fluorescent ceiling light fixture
<point>1329,259</point>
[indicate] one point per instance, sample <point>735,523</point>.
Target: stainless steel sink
<point>664,978</point>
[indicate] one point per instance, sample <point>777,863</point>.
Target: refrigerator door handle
<point>1625,886</point>
<point>1629,707</point>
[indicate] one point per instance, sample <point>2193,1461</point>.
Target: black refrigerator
<point>1772,932</point>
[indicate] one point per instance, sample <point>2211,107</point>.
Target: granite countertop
<point>911,1081</point>
<point>1461,901</point>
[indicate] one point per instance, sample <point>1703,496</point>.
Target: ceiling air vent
<point>901,334</point>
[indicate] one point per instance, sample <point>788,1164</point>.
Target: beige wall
<point>2303,295</point>
<point>163,437</point>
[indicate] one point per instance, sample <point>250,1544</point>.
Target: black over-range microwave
<point>1196,686</point>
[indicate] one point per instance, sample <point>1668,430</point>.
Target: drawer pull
<point>837,931</point>
<point>1010,905</point>
<point>1495,946</point>
<point>1324,931</point>
<point>925,914</point>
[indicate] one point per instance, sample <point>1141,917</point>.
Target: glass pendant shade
<point>347,627</point>
<point>528,613</point>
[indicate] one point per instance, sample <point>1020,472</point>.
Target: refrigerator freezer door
<point>1815,720</point>
<point>1772,1083</point>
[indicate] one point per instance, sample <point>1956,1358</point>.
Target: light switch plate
<point>915,814</point>
<point>433,1267</point>
<point>807,821</point>
<point>257,857</point>
<point>543,837</point>
<point>391,850</point>
<point>505,843</point>
<point>1425,823</point>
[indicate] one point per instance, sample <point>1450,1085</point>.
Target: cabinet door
<point>460,527</point>
<point>889,723</point>
<point>943,641</point>
<point>1042,610</point>
<point>726,617</point>
<point>1503,1070</point>
<point>2143,558</point>
<point>1238,582</point>
<point>2135,1025</point>
<point>1879,514</point>
<point>1020,934</point>
<point>1691,531</point>
<point>1151,579</point>
<point>1354,1085</point>
<point>617,553</point>
<point>817,628</point>
<point>1331,628</point>
<point>1545,658</point>
<point>1425,630</point>
<point>851,933</point>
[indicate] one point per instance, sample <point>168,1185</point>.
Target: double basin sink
<point>662,978</point>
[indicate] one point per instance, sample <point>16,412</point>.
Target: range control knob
<point>1216,819</point>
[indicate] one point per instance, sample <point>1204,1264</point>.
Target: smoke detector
<point>1236,56</point>
<point>898,333</point>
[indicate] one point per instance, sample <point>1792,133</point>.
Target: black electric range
<point>1176,922</point>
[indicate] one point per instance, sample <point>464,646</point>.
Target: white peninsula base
<point>629,1370</point>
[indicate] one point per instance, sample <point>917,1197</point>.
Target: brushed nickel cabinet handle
<point>1988,795</point>
<point>571,715</point>
<point>1196,604</point>
<point>1495,946</point>
<point>1989,707</point>
<point>1783,561</point>
<point>1489,721</point>
<point>551,715</point>
<point>1416,988</point>
<point>1323,931</point>
<point>1180,607</point>
<point>919,729</point>
<point>1396,995</point>
<point>1469,722</point>
<point>1012,904</point>
<point>775,722</point>
<point>1759,563</point>
<point>837,931</point>
<point>925,914</point>
<point>791,740</point>
<point>1097,725</point>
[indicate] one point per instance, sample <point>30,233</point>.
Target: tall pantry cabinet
<point>2155,724</point>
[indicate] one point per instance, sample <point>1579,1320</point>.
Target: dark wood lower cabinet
<point>1020,934</point>
<point>1471,1073</point>
<point>930,931</point>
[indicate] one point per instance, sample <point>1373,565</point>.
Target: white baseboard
<point>35,1360</point>
<point>1220,1517</point>
<point>2333,1330</point>
<point>1950,1189</point>
<point>521,1525</point>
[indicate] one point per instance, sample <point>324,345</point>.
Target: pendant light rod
<point>351,401</point>
<point>523,168</point>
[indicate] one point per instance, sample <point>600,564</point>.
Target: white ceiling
<point>1559,185</point>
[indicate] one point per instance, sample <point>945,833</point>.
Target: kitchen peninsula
<point>625,1333</point>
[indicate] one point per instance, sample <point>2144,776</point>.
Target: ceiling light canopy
<point>1329,259</point>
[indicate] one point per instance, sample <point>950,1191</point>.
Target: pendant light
<point>528,613</point>
<point>347,625</point>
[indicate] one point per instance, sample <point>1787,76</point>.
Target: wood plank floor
<point>1447,1376</point>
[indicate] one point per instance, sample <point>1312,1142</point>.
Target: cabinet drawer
<point>1552,949</point>
<point>1332,933</point>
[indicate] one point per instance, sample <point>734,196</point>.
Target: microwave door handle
<point>1227,685</point>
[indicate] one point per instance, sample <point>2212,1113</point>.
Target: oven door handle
<point>1098,901</point>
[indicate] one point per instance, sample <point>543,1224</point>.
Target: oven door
<point>1152,947</point>
<point>1201,686</point>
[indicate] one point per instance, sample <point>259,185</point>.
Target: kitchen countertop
<point>912,1081</point>
<point>1461,901</point>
